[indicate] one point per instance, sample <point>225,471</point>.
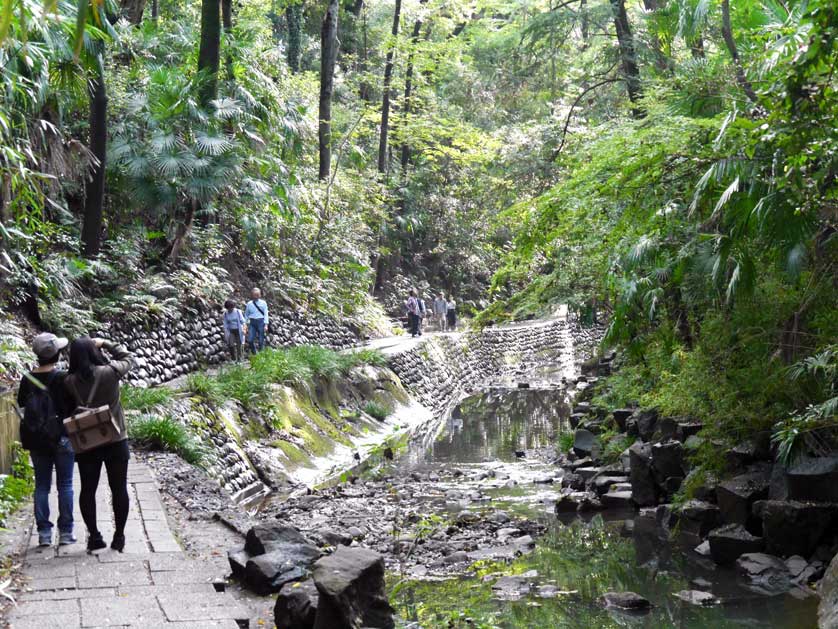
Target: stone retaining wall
<point>170,347</point>
<point>444,368</point>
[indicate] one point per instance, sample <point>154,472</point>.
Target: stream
<point>502,445</point>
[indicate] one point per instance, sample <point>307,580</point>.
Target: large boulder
<point>667,460</point>
<point>795,528</point>
<point>296,605</point>
<point>814,479</point>
<point>736,497</point>
<point>643,486</point>
<point>585,443</point>
<point>273,556</point>
<point>698,518</point>
<point>621,416</point>
<point>350,583</point>
<point>267,573</point>
<point>645,423</point>
<point>729,542</point>
<point>262,537</point>
<point>828,609</point>
<point>764,573</point>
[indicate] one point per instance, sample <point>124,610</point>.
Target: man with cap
<point>46,403</point>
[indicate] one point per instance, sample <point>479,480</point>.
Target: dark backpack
<point>40,426</point>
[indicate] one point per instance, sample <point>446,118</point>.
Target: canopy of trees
<point>666,165</point>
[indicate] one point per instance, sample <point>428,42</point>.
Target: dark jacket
<point>108,377</point>
<point>62,401</point>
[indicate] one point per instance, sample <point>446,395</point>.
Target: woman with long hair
<point>92,373</point>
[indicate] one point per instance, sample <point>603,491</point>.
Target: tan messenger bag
<point>92,427</point>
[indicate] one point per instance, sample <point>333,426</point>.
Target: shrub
<point>145,399</point>
<point>364,356</point>
<point>17,486</point>
<point>376,410</point>
<point>205,387</point>
<point>163,433</point>
<point>565,441</point>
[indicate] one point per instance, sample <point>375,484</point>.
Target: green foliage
<point>145,399</point>
<point>814,427</point>
<point>376,410</point>
<point>565,441</point>
<point>297,366</point>
<point>17,486</point>
<point>164,433</point>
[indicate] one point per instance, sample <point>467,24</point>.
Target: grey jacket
<point>108,377</point>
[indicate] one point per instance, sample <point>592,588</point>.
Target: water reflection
<point>484,433</point>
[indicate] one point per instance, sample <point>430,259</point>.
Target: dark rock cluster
<point>778,526</point>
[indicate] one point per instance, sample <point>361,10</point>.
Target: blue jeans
<point>62,459</point>
<point>256,334</point>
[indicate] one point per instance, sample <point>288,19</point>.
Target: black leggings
<point>115,458</point>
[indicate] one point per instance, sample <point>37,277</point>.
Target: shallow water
<point>583,560</point>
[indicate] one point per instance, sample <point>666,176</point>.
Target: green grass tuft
<point>205,387</point>
<point>565,441</point>
<point>145,399</point>
<point>376,410</point>
<point>163,433</point>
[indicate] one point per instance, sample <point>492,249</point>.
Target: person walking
<point>423,312</point>
<point>256,316</point>
<point>412,307</point>
<point>233,321</point>
<point>45,402</point>
<point>451,313</point>
<point>440,307</point>
<point>93,381</point>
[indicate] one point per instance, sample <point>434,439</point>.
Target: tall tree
<point>730,42</point>
<point>385,98</point>
<point>133,10</point>
<point>210,49</point>
<point>408,84</point>
<point>293,21</point>
<point>94,189</point>
<point>628,54</point>
<point>227,26</point>
<point>328,56</point>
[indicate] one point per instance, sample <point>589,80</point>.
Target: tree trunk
<point>696,46</point>
<point>385,99</point>
<point>132,10</point>
<point>628,55</point>
<point>94,189</point>
<point>727,34</point>
<point>208,54</point>
<point>293,19</point>
<point>408,86</point>
<point>583,10</point>
<point>183,230</point>
<point>227,25</point>
<point>328,56</point>
<point>155,9</point>
<point>364,89</point>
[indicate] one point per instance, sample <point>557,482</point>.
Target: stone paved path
<point>152,585</point>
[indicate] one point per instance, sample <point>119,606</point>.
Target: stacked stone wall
<point>444,368</point>
<point>166,347</point>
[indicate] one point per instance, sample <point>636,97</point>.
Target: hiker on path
<point>93,381</point>
<point>412,307</point>
<point>440,312</point>
<point>423,312</point>
<point>233,321</point>
<point>451,313</point>
<point>45,404</point>
<point>256,316</point>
